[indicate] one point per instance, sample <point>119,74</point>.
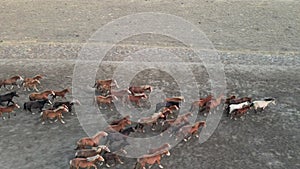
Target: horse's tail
<point>25,106</point>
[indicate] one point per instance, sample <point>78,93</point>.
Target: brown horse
<point>151,159</point>
<point>8,109</point>
<point>37,77</point>
<point>240,112</point>
<point>31,84</point>
<point>163,147</point>
<point>85,153</point>
<point>169,110</point>
<point>201,102</point>
<point>52,114</point>
<point>86,162</point>
<point>189,130</point>
<point>106,100</point>
<point>90,141</point>
<point>136,98</point>
<point>140,89</point>
<point>118,127</point>
<point>149,121</point>
<point>105,85</point>
<point>41,96</point>
<point>180,119</point>
<point>214,103</point>
<point>61,93</point>
<point>175,99</point>
<point>227,100</point>
<point>13,81</point>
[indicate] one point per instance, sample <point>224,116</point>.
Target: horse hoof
<point>121,162</point>
<point>185,140</point>
<point>107,165</point>
<point>43,123</point>
<point>160,166</point>
<point>32,113</point>
<point>63,122</point>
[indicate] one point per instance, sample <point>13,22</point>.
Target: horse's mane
<point>93,158</point>
<point>269,99</point>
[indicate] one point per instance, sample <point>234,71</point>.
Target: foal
<point>8,109</point>
<point>240,112</point>
<point>31,84</point>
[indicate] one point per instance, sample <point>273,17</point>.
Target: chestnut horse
<point>151,159</point>
<point>31,84</point>
<point>86,162</point>
<point>61,93</point>
<point>105,85</point>
<point>41,96</point>
<point>180,119</point>
<point>201,102</point>
<point>118,127</point>
<point>107,100</point>
<point>168,110</point>
<point>189,130</point>
<point>90,141</point>
<point>149,121</point>
<point>8,109</point>
<point>85,153</point>
<point>13,81</point>
<point>52,114</point>
<point>121,93</point>
<point>136,98</point>
<point>140,89</point>
<point>116,122</point>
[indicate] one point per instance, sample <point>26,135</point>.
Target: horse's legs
<point>60,119</point>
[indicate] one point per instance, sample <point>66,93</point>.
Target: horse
<point>85,153</point>
<point>122,136</point>
<point>214,103</point>
<point>9,109</point>
<point>240,112</point>
<point>233,107</point>
<point>105,85</point>
<point>51,114</point>
<point>136,98</point>
<point>41,96</point>
<point>227,100</point>
<point>109,156</point>
<point>262,104</point>
<point>168,110</point>
<point>149,121</point>
<point>86,162</point>
<point>201,102</point>
<point>31,84</point>
<point>61,93</point>
<point>8,97</point>
<point>140,89</point>
<point>118,127</point>
<point>239,100</point>
<point>179,119</point>
<point>170,102</point>
<point>163,147</point>
<point>190,130</point>
<point>13,81</point>
<point>151,159</point>
<point>69,104</point>
<point>121,93</point>
<point>36,77</point>
<point>90,141</point>
<point>115,122</point>
<point>38,104</point>
<point>107,100</point>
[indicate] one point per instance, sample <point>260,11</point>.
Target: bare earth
<point>257,42</point>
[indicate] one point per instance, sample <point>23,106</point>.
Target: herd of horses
<point>89,150</point>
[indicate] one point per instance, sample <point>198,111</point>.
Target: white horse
<point>262,104</point>
<point>233,107</point>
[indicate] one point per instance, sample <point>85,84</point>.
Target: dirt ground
<point>257,42</point>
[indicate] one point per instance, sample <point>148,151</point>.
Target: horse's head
<point>102,147</point>
<point>37,77</point>
<point>200,123</point>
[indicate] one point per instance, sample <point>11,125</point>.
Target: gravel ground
<point>257,42</point>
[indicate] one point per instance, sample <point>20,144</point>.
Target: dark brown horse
<point>13,81</point>
<point>8,109</point>
<point>41,96</point>
<point>240,112</point>
<point>189,130</point>
<point>90,141</point>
